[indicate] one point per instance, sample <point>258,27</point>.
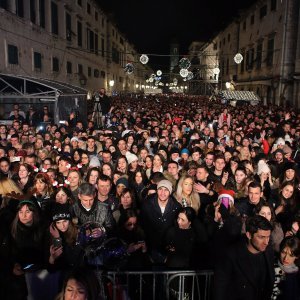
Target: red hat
<point>226,193</point>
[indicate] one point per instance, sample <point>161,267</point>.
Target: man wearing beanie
<point>158,213</point>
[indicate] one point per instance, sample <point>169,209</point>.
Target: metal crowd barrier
<point>159,285</point>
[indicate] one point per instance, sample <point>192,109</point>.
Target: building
<point>70,41</point>
<point>267,35</point>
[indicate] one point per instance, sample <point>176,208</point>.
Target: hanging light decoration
<point>190,76</point>
<point>151,79</point>
<point>129,68</point>
<point>184,63</point>
<point>216,71</point>
<point>158,72</point>
<point>184,73</point>
<point>238,58</point>
<point>144,59</point>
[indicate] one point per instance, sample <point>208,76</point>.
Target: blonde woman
<point>185,194</point>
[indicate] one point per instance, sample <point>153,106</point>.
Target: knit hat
<point>262,167</point>
<point>94,162</point>
<point>289,166</point>
<point>286,149</point>
<point>223,194</point>
<point>131,157</point>
<point>122,180</point>
<point>185,151</point>
<point>74,139</point>
<point>61,212</point>
<point>280,141</point>
<point>166,184</point>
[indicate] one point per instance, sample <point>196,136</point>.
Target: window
<point>215,46</point>
<point>42,12</point>
<point>69,67</point>
<point>96,16</point>
<point>263,11</point>
<point>79,2</point>
<point>89,71</point>
<point>68,27</point>
<point>243,63</point>
<point>102,47</point>
<point>54,18</point>
<point>96,44</point>
<point>79,34</point>
<point>115,55</point>
<point>244,25</point>
<point>249,59</point>
<point>13,55</point>
<point>121,41</point>
<point>223,41</point>
<point>102,22</point>
<point>20,8</point>
<point>96,73</point>
<point>90,40</point>
<point>273,5</point>
<point>228,37</point>
<point>252,20</point>
<point>88,8</point>
<point>227,66</point>
<point>102,74</point>
<point>3,4</point>
<point>259,56</point>
<point>80,69</point>
<point>32,11</point>
<point>37,60</point>
<point>55,64</point>
<point>270,52</point>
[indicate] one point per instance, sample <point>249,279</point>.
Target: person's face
<point>61,197</point>
<point>2,153</point>
<point>73,178</point>
<point>87,201</point>
<point>201,174</point>
<point>84,159</point>
<point>91,143</point>
<point>219,164</point>
<point>4,167</point>
<point>2,129</point>
<point>134,164</point>
<point>122,164</point>
<point>106,157</point>
<point>138,178</point>
<point>131,223</point>
<point>148,162</point>
<point>25,215</point>
<point>254,195</point>
<point>122,145</point>
<point>40,186</point>
<point>51,176</point>
<point>120,188</point>
<point>163,194</point>
<point>76,156</point>
<point>287,191</point>
<point>173,169</point>
<point>108,142</point>
<point>104,187</point>
<point>183,222</point>
<point>126,200</point>
<point>175,156</point>
<point>75,291</point>
<point>289,174</point>
<point>227,156</point>
<point>62,225</point>
<point>259,241</point>
<point>286,257</point>
<point>14,141</point>
<point>157,161</point>
<point>239,176</point>
<point>196,156</point>
<point>187,186</point>
<point>93,177</point>
<point>23,172</point>
<point>62,166</point>
<point>220,133</point>
<point>279,157</point>
<point>209,160</point>
<point>106,170</point>
<point>265,211</point>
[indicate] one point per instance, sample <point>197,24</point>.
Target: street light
<point>111,83</point>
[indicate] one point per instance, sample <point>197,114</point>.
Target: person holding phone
<point>64,252</point>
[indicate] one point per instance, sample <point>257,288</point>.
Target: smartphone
<point>57,242</point>
<point>225,201</point>
<point>27,267</point>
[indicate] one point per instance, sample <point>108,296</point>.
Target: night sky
<point>152,25</point>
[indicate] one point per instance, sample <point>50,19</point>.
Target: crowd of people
<point>170,181</point>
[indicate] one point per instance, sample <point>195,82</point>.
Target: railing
<point>159,285</point>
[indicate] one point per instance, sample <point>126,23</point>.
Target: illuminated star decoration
<point>129,68</point>
<point>159,73</point>
<point>184,63</point>
<point>238,58</point>
<point>144,59</point>
<point>184,73</point>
